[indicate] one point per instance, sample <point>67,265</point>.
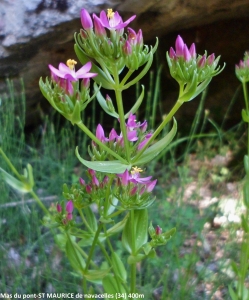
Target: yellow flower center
<point>136,170</point>
<point>71,63</point>
<point>110,13</point>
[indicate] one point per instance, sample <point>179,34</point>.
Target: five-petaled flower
<point>68,71</point>
<point>112,20</point>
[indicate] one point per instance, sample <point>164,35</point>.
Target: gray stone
<point>34,33</point>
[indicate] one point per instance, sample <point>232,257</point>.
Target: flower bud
<point>88,189</point>
<point>210,59</point>
<point>192,51</point>
<point>82,181</point>
<point>59,208</point>
<point>201,63</point>
<point>186,53</point>
<point>98,27</point>
<point>179,46</point>
<point>158,230</point>
<point>86,20</point>
<point>127,48</point>
<point>69,206</point>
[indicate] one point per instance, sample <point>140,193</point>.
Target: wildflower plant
<point>240,290</point>
<point>112,198</point>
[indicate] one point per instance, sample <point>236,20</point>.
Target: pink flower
<point>150,186</point>
<point>142,144</point>
<point>113,135</point>
<point>100,135</point>
<point>124,177</point>
<point>112,20</point>
<point>69,73</point>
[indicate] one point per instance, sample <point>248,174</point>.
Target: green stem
<point>118,94</point>
<point>247,112</point>
<point>133,249</point>
<point>127,76</point>
<point>10,164</point>
<point>177,105</point>
<point>39,202</point>
<point>98,142</point>
<point>95,240</point>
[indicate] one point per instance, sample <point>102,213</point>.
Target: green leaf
<point>246,164</point>
<point>74,256</point>
<point>114,166</point>
<point>117,227</point>
<point>76,115</point>
<point>168,235</point>
<point>245,116</point>
<point>110,285</point>
<point>137,104</point>
<point>200,88</point>
<point>118,267</point>
<point>246,193</point>
<point>101,78</point>
<point>232,293</point>
<point>96,276</point>
<point>235,268</point>
<point>21,186</point>
<point>135,259</point>
<point>103,104</point>
<point>91,219</point>
<point>150,153</point>
<point>190,89</point>
<point>140,228</point>
<point>244,224</point>
<point>61,240</point>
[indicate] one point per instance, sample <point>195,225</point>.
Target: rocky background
<point>34,33</point>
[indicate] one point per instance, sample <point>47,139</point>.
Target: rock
<point>34,33</point>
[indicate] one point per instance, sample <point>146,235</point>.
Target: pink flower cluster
<point>134,41</point>
<point>242,68</point>
<point>133,130</point>
<point>94,184</point>
<point>136,182</point>
<point>182,51</point>
<point>243,64</point>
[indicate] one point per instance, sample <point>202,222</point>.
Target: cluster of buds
<point>242,69</point>
<point>136,135</point>
<point>83,194</point>
<point>190,69</point>
<point>64,215</point>
<point>65,92</point>
<point>103,39</point>
<point>134,191</point>
<point>158,237</point>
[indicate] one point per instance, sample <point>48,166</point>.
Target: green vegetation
<point>196,184</point>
